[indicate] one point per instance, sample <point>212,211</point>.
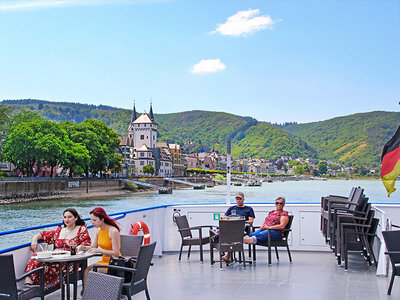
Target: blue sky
<point>276,61</point>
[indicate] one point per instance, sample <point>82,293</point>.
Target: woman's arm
<point>115,242</point>
<point>34,243</point>
<point>94,244</point>
<point>283,222</point>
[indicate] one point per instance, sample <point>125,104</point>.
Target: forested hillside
<point>357,138</point>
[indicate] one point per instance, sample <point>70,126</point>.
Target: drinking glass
<point>233,211</point>
<point>44,246</point>
<point>72,245</point>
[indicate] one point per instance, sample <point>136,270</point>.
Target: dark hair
<point>73,211</point>
<point>101,213</point>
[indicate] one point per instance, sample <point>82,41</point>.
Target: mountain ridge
<point>354,139</point>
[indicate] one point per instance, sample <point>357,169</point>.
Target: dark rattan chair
<point>8,281</point>
<point>281,243</point>
<point>138,282</point>
<point>230,240</point>
<point>101,286</point>
<point>360,238</point>
<point>187,238</point>
<point>130,245</point>
<point>328,204</point>
<point>392,241</point>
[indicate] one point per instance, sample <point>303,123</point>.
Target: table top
<point>67,257</point>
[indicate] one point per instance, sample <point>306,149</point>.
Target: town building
<point>143,147</point>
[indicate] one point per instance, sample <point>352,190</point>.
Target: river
<point>23,215</point>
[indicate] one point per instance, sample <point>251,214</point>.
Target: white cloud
<point>244,23</point>
<point>208,66</point>
<point>9,5</point>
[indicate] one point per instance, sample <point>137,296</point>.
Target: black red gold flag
<point>390,168</point>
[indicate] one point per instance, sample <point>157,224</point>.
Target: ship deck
<point>312,275</point>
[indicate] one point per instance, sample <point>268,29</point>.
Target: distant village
<point>140,148</point>
<point>143,155</point>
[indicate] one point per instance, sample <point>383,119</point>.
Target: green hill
<point>357,138</point>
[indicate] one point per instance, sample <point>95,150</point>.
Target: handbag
<point>127,262</point>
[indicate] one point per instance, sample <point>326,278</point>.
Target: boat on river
<point>313,274</point>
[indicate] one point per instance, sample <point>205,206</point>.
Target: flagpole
<point>228,172</point>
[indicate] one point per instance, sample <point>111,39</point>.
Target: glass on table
<point>233,212</point>
<point>44,246</point>
<point>72,245</point>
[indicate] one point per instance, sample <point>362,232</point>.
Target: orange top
<point>104,242</point>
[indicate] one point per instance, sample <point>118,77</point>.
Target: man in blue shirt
<point>241,209</point>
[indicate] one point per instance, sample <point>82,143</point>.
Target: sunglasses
<point>279,203</point>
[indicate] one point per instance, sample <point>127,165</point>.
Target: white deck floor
<point>313,275</point>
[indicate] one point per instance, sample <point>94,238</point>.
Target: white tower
<point>144,131</point>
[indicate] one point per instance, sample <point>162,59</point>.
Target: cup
<point>233,212</point>
<point>72,246</point>
<point>44,246</point>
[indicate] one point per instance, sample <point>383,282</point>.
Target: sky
<point>276,61</point>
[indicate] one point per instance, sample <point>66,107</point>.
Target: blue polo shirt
<point>245,211</point>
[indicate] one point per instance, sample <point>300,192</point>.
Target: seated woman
<point>107,240</point>
<point>73,233</point>
<point>276,219</point>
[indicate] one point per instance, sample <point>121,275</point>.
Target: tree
<point>306,168</point>
<point>148,169</point>
<point>322,167</point>
<point>299,170</point>
<point>334,167</point>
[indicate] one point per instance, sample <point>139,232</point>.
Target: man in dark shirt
<point>241,209</point>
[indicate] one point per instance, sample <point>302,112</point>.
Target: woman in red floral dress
<point>73,233</point>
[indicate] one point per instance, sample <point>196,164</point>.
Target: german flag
<point>390,168</point>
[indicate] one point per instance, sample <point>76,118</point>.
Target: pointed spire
<point>151,110</point>
<point>134,112</point>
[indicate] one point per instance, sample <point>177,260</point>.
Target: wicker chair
<point>130,245</point>
<point>230,240</point>
<point>101,286</point>
<point>187,238</point>
<point>392,241</point>
<point>8,281</point>
<point>279,243</point>
<point>138,282</point>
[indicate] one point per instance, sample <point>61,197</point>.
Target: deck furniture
<point>344,215</point>
<point>360,238</point>
<point>230,240</point>
<point>138,282</point>
<point>101,286</point>
<point>8,281</point>
<point>328,204</point>
<point>130,245</point>
<point>188,239</point>
<point>280,243</point>
<point>79,263</point>
<point>392,241</point>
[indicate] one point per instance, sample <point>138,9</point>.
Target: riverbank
<point>76,188</point>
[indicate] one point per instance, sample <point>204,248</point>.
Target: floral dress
<point>51,272</point>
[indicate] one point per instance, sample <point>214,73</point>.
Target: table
<point>80,258</point>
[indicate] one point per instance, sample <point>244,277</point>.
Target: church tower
<point>130,127</point>
<point>151,115</point>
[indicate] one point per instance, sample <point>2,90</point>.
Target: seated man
<point>241,209</point>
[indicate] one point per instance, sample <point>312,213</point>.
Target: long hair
<point>101,213</point>
<point>73,211</point>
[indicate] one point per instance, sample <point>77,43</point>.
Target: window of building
<point>142,137</point>
<point>142,162</point>
<point>141,154</point>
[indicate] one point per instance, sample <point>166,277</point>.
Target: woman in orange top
<point>107,240</point>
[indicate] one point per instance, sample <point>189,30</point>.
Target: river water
<point>23,215</point>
